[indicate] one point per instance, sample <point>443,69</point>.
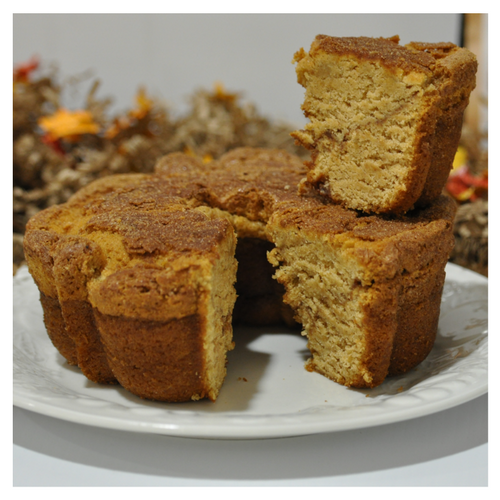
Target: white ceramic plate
<point>267,392</point>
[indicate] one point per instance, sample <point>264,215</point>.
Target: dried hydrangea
<point>471,236</point>
<point>57,151</point>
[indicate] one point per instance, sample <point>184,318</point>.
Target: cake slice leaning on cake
<point>136,287</point>
<point>384,119</point>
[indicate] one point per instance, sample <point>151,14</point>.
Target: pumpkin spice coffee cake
<point>136,274</point>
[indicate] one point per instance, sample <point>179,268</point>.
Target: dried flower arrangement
<point>57,151</point>
<point>468,184</point>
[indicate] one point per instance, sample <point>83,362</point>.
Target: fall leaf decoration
<point>22,72</point>
<point>143,107</point>
<point>462,184</point>
<point>69,125</point>
<point>58,150</point>
<point>143,104</point>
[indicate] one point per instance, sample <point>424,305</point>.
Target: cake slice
<point>366,289</point>
<point>384,119</point>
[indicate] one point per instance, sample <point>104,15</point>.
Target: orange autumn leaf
<point>144,106</point>
<point>118,125</point>
<point>68,124</point>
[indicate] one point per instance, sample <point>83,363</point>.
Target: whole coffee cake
<point>136,274</point>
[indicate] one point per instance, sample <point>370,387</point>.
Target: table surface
<point>448,448</point>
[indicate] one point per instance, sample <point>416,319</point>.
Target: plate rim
<point>219,429</point>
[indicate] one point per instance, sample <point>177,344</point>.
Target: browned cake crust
<point>144,287</point>
<point>385,119</point>
<point>455,69</point>
<point>136,273</point>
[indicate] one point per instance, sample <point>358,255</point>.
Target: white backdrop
<point>174,54</point>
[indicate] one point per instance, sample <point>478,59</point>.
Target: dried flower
<point>471,236</point>
<point>57,151</point>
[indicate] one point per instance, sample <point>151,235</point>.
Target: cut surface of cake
<point>384,119</point>
<point>366,289</point>
<point>136,274</point>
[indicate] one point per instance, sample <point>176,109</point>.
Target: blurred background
<point>174,54</point>
<point>96,94</point>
